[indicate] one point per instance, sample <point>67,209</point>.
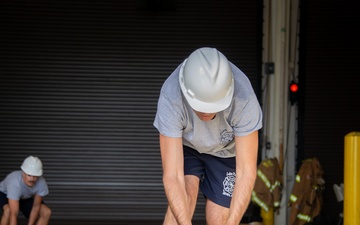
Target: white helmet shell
<point>207,81</point>
<point>32,166</point>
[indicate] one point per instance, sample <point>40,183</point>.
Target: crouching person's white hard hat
<point>32,166</point>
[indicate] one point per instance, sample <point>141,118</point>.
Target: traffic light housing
<point>293,92</point>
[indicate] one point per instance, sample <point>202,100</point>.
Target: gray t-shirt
<point>15,188</point>
<point>175,117</point>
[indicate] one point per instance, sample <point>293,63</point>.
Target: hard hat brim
<point>31,173</point>
<point>213,107</point>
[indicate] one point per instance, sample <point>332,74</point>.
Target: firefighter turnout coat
<point>306,196</point>
<point>268,185</point>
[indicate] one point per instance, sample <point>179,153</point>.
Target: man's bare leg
<point>215,214</point>
<point>44,217</point>
<point>5,215</point>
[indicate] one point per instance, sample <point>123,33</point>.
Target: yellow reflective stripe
<point>259,202</point>
<point>298,178</point>
<point>264,178</point>
<point>276,204</point>
<point>293,198</point>
<point>304,217</point>
<point>276,184</point>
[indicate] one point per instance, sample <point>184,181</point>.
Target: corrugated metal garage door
<point>79,85</point>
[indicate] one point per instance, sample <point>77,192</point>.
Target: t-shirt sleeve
<point>248,118</point>
<point>43,188</point>
<point>169,117</point>
<point>13,192</point>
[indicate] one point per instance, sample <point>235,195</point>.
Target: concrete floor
<point>109,222</point>
<point>105,222</point>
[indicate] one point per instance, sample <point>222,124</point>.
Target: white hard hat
<point>207,81</point>
<point>32,166</point>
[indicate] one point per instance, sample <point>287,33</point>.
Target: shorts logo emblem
<point>229,183</point>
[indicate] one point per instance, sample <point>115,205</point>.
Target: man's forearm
<point>33,215</point>
<point>178,202</point>
<point>241,197</point>
<point>246,159</point>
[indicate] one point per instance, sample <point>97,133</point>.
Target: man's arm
<point>14,211</point>
<point>173,178</point>
<point>246,164</point>
<point>34,214</point>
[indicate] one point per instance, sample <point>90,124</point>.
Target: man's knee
<point>45,211</point>
<point>6,210</point>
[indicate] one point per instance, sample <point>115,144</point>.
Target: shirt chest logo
<point>226,137</point>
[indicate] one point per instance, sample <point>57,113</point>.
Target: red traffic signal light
<point>294,87</point>
<point>293,92</point>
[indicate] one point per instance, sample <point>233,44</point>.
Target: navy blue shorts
<point>24,204</point>
<point>217,175</point>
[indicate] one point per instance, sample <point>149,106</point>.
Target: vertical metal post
<point>352,178</point>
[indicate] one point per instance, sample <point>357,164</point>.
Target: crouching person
<point>23,190</point>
